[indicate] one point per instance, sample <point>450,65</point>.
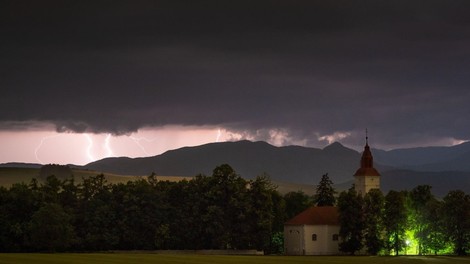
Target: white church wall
<point>311,240</point>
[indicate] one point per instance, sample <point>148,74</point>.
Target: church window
<point>314,237</point>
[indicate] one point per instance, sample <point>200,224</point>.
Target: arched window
<point>314,237</point>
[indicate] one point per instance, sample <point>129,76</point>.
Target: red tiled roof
<point>321,215</point>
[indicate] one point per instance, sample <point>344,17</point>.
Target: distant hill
<point>20,165</point>
<point>287,164</point>
<point>454,158</point>
<point>401,169</point>
<point>298,168</point>
<point>441,182</point>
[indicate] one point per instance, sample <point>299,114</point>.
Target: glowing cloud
<point>334,137</point>
<point>219,133</point>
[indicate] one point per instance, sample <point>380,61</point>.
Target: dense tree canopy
<point>221,211</point>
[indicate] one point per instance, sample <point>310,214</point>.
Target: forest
<point>220,211</point>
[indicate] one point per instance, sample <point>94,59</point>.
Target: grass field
<point>215,259</point>
<point>10,176</point>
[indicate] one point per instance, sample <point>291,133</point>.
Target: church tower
<point>366,177</point>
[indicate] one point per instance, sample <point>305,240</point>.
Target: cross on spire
<point>367,138</point>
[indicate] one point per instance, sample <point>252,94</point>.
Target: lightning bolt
<point>219,133</point>
<point>90,146</point>
<point>137,141</point>
<point>107,146</point>
<point>39,146</point>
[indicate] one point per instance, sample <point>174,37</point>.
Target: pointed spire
<point>367,161</point>
<point>367,139</point>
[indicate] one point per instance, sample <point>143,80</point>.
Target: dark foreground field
<point>200,259</point>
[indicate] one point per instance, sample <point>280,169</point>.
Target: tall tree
<point>19,204</point>
<point>51,229</point>
<point>325,195</point>
<point>436,240</point>
<point>227,198</point>
<point>351,219</point>
<point>50,189</point>
<point>373,226</point>
<point>96,217</point>
<point>456,210</point>
<point>296,202</point>
<point>395,220</point>
<point>420,197</point>
<point>260,213</point>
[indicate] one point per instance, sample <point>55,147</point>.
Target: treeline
<point>222,211</point>
<point>406,222</point>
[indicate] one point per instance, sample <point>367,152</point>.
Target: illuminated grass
<point>200,259</point>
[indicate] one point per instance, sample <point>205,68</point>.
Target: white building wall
<point>363,184</point>
<point>298,240</point>
<point>294,240</point>
<point>372,182</point>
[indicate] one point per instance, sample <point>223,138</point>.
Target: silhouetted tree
<point>296,202</point>
<point>435,216</point>
<point>325,194</point>
<point>351,219</point>
<point>456,216</point>
<point>260,213</point>
<point>395,220</point>
<point>51,229</point>
<point>373,226</point>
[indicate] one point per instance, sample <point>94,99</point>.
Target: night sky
<point>287,72</point>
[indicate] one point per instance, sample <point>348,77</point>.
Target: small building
<point>313,232</point>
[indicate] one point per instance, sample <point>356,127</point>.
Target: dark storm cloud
<point>304,67</point>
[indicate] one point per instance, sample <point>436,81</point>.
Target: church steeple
<point>367,161</point>
<point>367,177</point>
<point>367,138</point>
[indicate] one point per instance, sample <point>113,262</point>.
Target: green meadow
<point>130,258</point>
<point>10,176</point>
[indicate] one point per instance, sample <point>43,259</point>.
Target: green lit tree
<point>373,226</point>
<point>351,219</point>
<point>395,220</point>
<point>420,197</point>
<point>325,195</point>
<point>436,240</point>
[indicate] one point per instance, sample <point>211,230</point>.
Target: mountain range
<point>444,168</point>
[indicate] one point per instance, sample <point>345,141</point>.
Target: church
<point>315,230</point>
